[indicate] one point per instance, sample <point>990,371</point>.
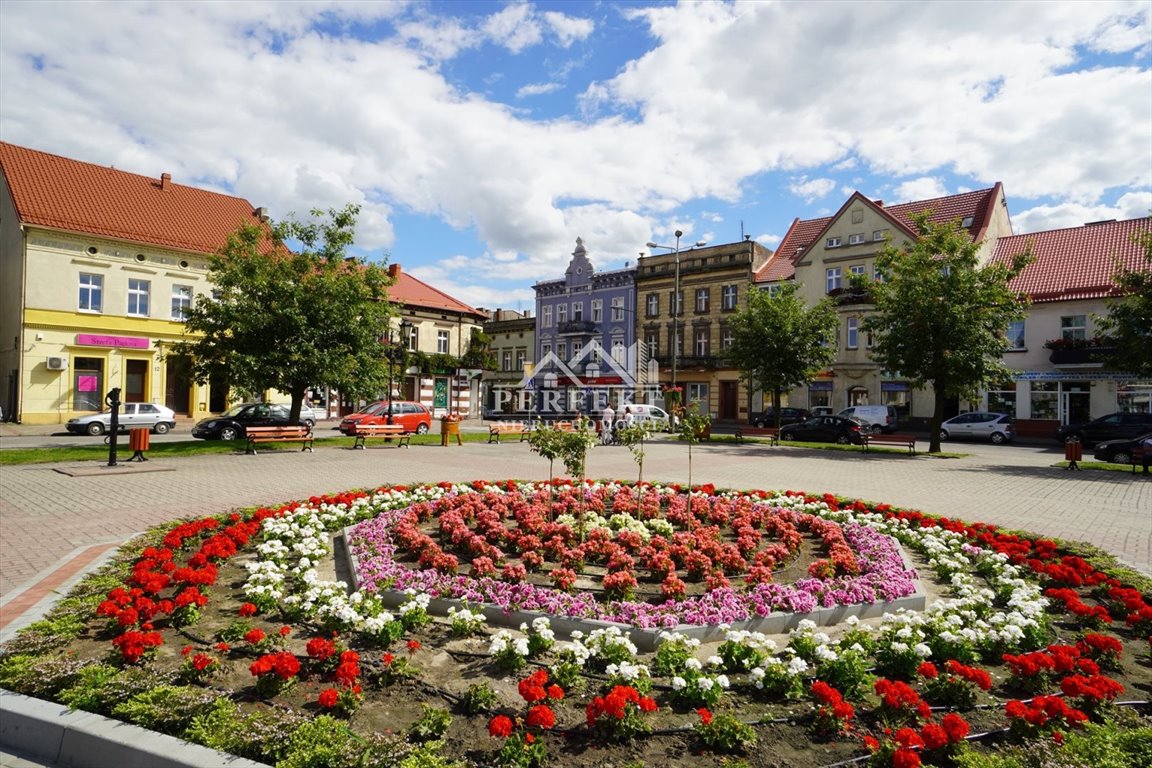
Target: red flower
<point>705,716</point>
<point>387,659</point>
<point>555,692</point>
<point>329,697</point>
<point>248,609</point>
<point>500,727</point>
<point>541,716</point>
<point>285,631</point>
<point>254,636</point>
<point>928,670</point>
<point>413,646</point>
<point>905,758</point>
<point>955,726</point>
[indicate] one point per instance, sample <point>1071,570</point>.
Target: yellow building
<point>97,267</point>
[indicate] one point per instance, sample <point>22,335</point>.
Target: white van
<point>882,418</point>
<point>656,417</point>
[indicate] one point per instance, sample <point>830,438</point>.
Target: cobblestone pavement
<point>50,521</point>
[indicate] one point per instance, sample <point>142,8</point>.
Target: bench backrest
<point>367,428</point>
<point>300,430</point>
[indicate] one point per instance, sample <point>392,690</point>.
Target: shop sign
<point>894,386</point>
<point>820,386</point>
<point>1070,376</point>
<point>97,340</point>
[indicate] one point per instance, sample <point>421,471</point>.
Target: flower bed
<point>227,632</point>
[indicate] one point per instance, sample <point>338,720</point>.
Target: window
<point>833,242</point>
<point>702,299</point>
<point>91,292</point>
<point>652,305</point>
<point>545,350</point>
<point>833,279</point>
<point>1002,397</point>
<point>1134,396</point>
<point>677,341</point>
<point>562,350</point>
<point>618,309</point>
<point>87,384</point>
<point>878,275</point>
<point>676,302</point>
<point>1016,335</point>
<point>1044,394</point>
<point>1073,328</point>
<point>413,337</point>
<point>879,235</point>
<point>697,393</point>
<point>521,358</point>
<point>138,297</point>
<point>868,338</point>
<point>853,332</point>
<point>729,295</point>
<point>619,353</point>
<point>181,301</point>
<point>442,342</point>
<point>856,239</point>
<point>546,318</point>
<point>506,361</point>
<point>652,341</point>
<point>577,311</point>
<point>597,310</point>
<point>561,314</point>
<point>857,270</point>
<point>702,343</point>
<point>726,337</point>
<point>774,289</point>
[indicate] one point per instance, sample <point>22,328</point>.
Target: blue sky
<point>483,138</point>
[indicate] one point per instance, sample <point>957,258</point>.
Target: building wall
<point>11,302</point>
<point>512,340</point>
<point>442,393</point>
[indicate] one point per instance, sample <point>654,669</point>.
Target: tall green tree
<point>1128,323</point>
<point>940,316</point>
<point>289,319</point>
<point>779,343</point>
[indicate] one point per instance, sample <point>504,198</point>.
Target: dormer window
<point>967,222</point>
<point>878,235</point>
<point>833,242</point>
<point>856,239</point>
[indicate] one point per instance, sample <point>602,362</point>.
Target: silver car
<point>980,425</point>
<point>307,414</point>
<point>157,418</point>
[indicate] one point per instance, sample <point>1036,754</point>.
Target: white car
<point>996,427</point>
<point>157,418</point>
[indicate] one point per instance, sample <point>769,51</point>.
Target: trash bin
<point>449,426</point>
<point>138,442</point>
<point>1073,453</point>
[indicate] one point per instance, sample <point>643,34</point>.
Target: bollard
<point>112,400</point>
<point>138,439</point>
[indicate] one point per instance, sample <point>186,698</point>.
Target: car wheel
<point>309,423</point>
<point>786,435</point>
<point>998,438</point>
<point>422,429</point>
<point>843,439</point>
<point>1121,457</point>
<point>161,428</point>
<point>95,429</point>
<point>943,434</point>
<point>877,429</point>
<point>229,433</point>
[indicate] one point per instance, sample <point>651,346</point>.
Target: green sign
<point>440,393</point>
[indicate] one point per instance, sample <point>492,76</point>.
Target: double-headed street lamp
<point>405,330</point>
<point>677,307</point>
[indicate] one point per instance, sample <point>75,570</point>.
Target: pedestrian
<point>607,424</point>
<point>1146,444</point>
<point>629,417</point>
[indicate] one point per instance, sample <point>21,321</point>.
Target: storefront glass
<point>1134,396</point>
<point>1044,400</point>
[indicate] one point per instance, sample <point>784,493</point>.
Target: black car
<point>231,424</point>
<point>825,429</point>
<point>1114,426</point>
<point>787,416</point>
<point>1119,451</point>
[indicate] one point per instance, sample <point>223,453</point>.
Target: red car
<point>414,417</point>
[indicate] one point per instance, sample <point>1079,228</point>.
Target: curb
<point>70,738</point>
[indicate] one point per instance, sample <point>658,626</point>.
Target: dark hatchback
<point>825,429</point>
<point>1119,451</point>
<point>1114,426</point>
<point>231,424</point>
<point>787,416</point>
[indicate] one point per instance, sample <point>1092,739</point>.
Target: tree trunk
<point>937,418</point>
<point>776,406</point>
<point>297,401</point>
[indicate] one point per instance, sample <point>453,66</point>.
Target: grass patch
<point>1101,465</point>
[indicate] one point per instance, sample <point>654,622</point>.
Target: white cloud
<point>811,189</point>
<point>923,188</point>
<point>568,29</point>
<point>1133,205</point>
<point>537,89</point>
<point>515,27</point>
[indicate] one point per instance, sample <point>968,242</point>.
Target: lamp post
<point>677,307</point>
<point>405,329</point>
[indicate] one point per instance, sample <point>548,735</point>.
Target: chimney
<point>165,180</point>
<point>394,271</point>
<point>261,213</point>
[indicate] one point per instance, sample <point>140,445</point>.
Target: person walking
<point>1146,444</point>
<point>607,424</point>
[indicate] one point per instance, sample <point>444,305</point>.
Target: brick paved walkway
<point>50,522</point>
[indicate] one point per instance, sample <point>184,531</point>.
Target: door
<point>178,384</point>
<point>1075,402</point>
<point>135,381</point>
<point>729,395</point>
<point>218,393</point>
<point>88,384</point>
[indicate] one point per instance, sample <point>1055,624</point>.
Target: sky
<point>482,138</point>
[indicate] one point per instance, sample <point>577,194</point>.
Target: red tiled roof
<point>413,292</point>
<point>977,205</point>
<point>1075,263</point>
<point>68,195</point>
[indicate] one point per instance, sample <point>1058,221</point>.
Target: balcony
<point>577,328</point>
<point>709,362</point>
<point>1081,357</point>
<point>848,296</point>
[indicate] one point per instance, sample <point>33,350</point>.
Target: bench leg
<point>358,442</point>
<point>251,449</point>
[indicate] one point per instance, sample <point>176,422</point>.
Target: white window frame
<point>521,358</point>
<point>727,339</point>
<point>619,352</point>
<point>676,302</point>
<point>697,392</point>
<point>702,342</point>
<point>703,300</point>
<point>181,301</point>
<point>506,360</point>
<point>618,309</point>
<point>878,235</point>
<point>443,343</point>
<point>832,279</point>
<point>561,314</point>
<point>562,350</point>
<point>858,269</point>
<point>139,293</point>
<point>729,297</point>
<point>856,239</point>
<point>577,311</point>
<point>546,317</point>
<point>652,340</point>
<point>92,289</point>
<point>1074,327</point>
<point>1017,340</point>
<point>652,305</point>
<point>597,310</point>
<point>853,335</point>
<point>833,242</point>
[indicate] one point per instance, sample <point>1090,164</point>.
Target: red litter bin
<point>138,443</point>
<point>1073,453</point>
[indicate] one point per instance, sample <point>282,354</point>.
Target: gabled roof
<point>413,292</point>
<point>71,196</point>
<point>803,235</point>
<point>1075,263</point>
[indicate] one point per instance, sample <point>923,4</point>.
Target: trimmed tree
<point>1128,323</point>
<point>779,343</point>
<point>288,320</point>
<point>941,317</point>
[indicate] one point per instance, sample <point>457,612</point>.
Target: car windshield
<point>235,410</point>
<point>375,408</point>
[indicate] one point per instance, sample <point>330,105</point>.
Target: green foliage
<point>87,692</point>
<point>41,677</point>
<point>548,443</point>
<point>479,353</point>
<point>432,724</point>
<point>479,698</point>
<point>1128,323</point>
<point>290,320</point>
<point>262,736</point>
<point>779,343</point>
<point>725,733</point>
<point>427,756</point>
<point>692,426</point>
<point>940,316</point>
<point>320,743</point>
<point>1105,745</point>
<point>633,437</point>
<point>166,708</point>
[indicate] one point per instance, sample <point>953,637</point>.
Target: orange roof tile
<point>1075,263</point>
<point>413,292</point>
<point>68,195</point>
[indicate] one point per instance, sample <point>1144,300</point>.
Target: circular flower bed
<point>233,632</point>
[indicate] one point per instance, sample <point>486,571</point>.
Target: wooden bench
<point>507,428</point>
<point>772,433</point>
<point>362,432</point>
<point>300,434</point>
<point>908,441</point>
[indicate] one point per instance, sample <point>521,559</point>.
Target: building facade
<point>682,322</point>
<point>585,337</point>
<point>513,345</point>
<point>97,268</point>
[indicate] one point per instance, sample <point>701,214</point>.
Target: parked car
<point>157,418</point>
<point>823,410</point>
<point>879,418</point>
<point>826,429</point>
<point>231,424</point>
<point>767,418</point>
<point>654,416</point>
<point>1119,451</point>
<point>1114,426</point>
<point>413,416</point>
<point>307,414</point>
<point>997,427</point>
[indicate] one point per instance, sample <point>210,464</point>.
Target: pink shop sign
<point>96,340</point>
